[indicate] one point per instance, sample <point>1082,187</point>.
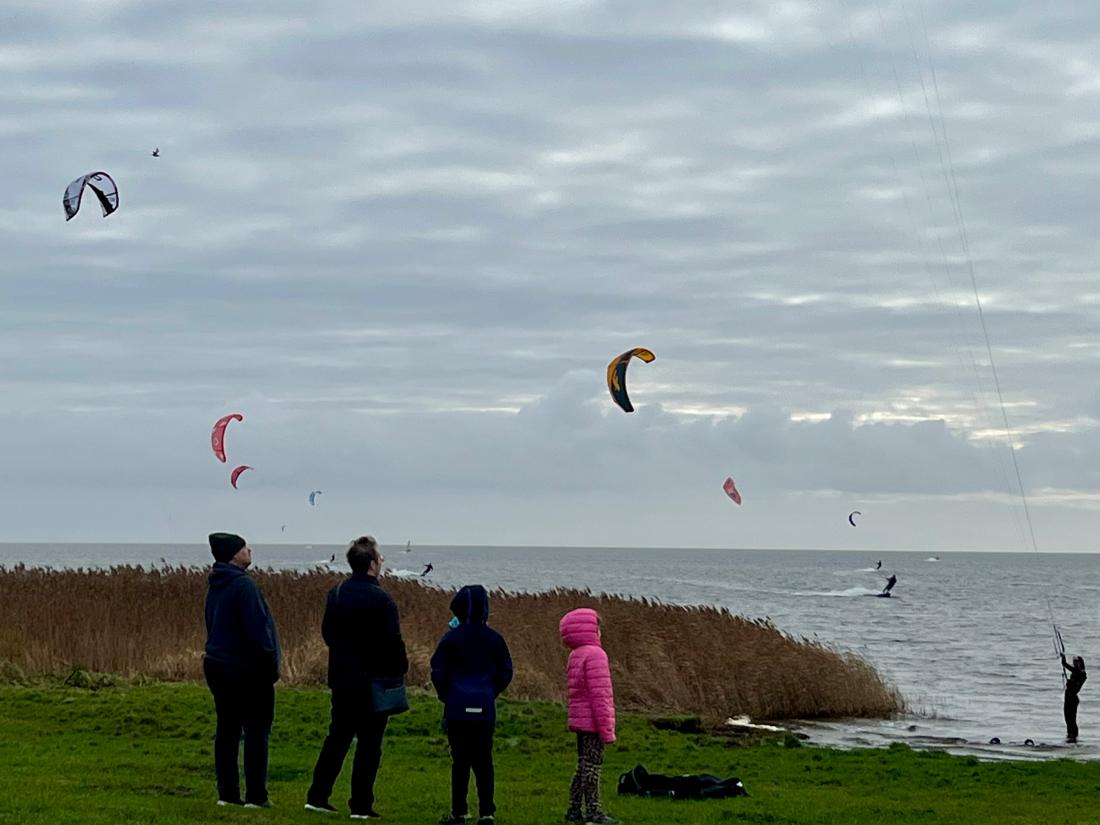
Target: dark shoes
<point>223,802</point>
<point>320,807</point>
<point>486,820</point>
<point>369,813</point>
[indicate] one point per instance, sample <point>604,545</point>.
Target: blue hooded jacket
<point>471,665</point>
<point>240,632</point>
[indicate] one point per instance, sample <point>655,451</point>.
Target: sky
<point>404,242</point>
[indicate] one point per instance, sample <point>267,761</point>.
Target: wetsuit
<point>427,569</point>
<point>890,582</point>
<point>1076,679</point>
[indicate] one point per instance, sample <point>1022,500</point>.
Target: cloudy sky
<point>404,243</point>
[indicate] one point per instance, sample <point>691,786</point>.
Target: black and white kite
<point>101,183</point>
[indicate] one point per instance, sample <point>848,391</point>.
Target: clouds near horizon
<point>405,241</point>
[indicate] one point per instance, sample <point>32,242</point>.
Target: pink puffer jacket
<point>591,700</point>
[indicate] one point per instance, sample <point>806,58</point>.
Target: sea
<point>966,637</point>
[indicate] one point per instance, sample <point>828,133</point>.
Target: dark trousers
<point>471,744</point>
<point>1070,709</point>
<point>352,718</point>
<point>245,706</point>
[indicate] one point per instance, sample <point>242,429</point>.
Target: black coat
<point>471,665</point>
<point>240,632</point>
<point>363,634</point>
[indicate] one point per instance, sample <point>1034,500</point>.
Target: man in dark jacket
<point>363,633</point>
<point>241,666</point>
<point>471,667</point>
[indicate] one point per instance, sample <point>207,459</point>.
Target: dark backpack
<point>640,782</point>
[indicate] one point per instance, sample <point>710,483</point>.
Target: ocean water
<point>966,638</point>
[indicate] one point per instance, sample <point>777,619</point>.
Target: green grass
<point>143,754</point>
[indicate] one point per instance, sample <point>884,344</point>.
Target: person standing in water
<point>1076,679</point>
<point>890,582</point>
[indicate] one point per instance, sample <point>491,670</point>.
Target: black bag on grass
<point>640,782</point>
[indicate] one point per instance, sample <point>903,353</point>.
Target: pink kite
<point>217,436</point>
<point>731,490</point>
<point>237,474</point>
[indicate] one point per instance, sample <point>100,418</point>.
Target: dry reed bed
<point>699,660</point>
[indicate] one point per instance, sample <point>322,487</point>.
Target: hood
<point>471,604</point>
<point>223,574</point>
<point>580,627</point>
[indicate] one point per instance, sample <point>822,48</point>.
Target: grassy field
<point>143,754</point>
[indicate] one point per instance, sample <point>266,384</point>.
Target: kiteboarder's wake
<point>851,591</point>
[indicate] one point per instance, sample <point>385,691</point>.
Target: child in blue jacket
<point>471,666</point>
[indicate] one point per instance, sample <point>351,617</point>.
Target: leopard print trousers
<point>585,790</point>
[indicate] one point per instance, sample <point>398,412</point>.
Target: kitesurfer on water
<point>427,569</point>
<point>890,582</point>
<point>1076,679</point>
<point>878,564</point>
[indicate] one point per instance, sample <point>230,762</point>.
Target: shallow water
<point>967,638</point>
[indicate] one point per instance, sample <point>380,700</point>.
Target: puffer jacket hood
<point>471,604</point>
<point>580,627</point>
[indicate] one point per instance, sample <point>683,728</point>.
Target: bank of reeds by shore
<point>699,660</point>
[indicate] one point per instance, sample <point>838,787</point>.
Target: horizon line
<point>572,547</point>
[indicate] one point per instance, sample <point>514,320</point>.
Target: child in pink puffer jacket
<point>591,711</point>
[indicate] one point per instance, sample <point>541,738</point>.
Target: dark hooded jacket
<point>363,633</point>
<point>471,665</point>
<point>240,632</point>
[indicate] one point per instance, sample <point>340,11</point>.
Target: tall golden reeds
<point>700,660</point>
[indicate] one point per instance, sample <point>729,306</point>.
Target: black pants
<point>471,744</point>
<point>243,705</point>
<point>352,718</point>
<point>1070,709</point>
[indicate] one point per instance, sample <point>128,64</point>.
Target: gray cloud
<point>409,239</point>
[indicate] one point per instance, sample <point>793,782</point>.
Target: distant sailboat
<point>408,547</point>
